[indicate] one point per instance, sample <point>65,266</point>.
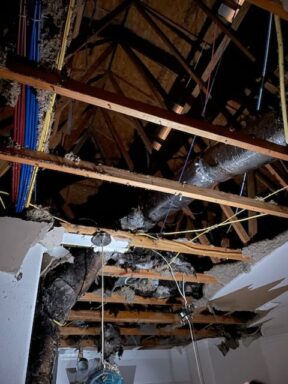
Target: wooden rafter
<point>114,271</point>
<point>116,298</point>
<point>30,75</point>
<point>149,317</point>
<point>134,331</point>
<point>120,176</point>
<point>273,6</point>
<point>227,31</point>
<point>160,244</point>
<point>170,45</point>
<point>138,125</point>
<point>118,140</point>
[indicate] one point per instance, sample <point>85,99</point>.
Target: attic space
<point>143,191</point>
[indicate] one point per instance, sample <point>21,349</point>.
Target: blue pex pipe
<point>32,108</point>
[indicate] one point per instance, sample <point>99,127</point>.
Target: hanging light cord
<point>102,309</point>
<point>190,324</point>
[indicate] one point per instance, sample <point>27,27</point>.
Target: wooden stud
<point>124,177</point>
<point>35,77</point>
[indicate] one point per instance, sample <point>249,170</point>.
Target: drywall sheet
<point>16,237</point>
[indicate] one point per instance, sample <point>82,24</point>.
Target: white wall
<point>17,307</point>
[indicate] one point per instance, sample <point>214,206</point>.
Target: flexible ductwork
<point>219,163</point>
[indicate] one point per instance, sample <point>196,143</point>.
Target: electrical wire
<point>190,324</point>
<point>102,309</point>
<point>228,220</point>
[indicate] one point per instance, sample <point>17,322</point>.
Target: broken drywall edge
<point>263,248</point>
<point>227,272</point>
<point>116,245</point>
<point>16,238</point>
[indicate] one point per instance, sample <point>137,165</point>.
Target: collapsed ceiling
<point>199,136</point>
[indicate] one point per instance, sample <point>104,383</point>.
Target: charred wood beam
<point>120,176</point>
<point>30,75</point>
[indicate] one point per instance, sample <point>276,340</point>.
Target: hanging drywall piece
<point>16,237</point>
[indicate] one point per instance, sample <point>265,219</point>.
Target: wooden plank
<point>238,227</point>
<point>116,298</point>
<point>138,240</point>
<point>251,191</point>
<point>111,270</point>
<point>134,331</point>
<point>273,6</point>
<point>124,177</point>
<point>227,31</point>
<point>222,47</point>
<point>149,317</point>
<point>38,78</point>
<point>276,174</point>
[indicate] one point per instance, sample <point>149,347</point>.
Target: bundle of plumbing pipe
<point>27,109</point>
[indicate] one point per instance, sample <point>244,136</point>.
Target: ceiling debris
<point>150,132</point>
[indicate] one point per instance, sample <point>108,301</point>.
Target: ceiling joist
<point>120,176</point>
<point>146,241</point>
<point>35,77</point>
<point>149,317</point>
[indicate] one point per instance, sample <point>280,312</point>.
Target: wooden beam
<point>142,240</point>
<point>227,31</point>
<point>138,126</point>
<point>118,140</point>
<point>276,175</point>
<point>111,270</point>
<point>273,6</point>
<point>121,176</point>
<point>251,192</point>
<point>35,77</point>
<point>148,317</point>
<point>222,47</point>
<point>170,46</point>
<point>134,331</point>
<point>116,298</point>
<point>238,227</point>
